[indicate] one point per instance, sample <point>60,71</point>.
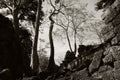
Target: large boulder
<point>104,68</point>
<point>108,59</point>
<point>111,17</point>
<point>117,74</point>
<point>107,75</point>
<point>96,61</point>
<point>117,64</point>
<point>83,75</point>
<point>113,51</point>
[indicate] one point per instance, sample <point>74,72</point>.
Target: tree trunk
<point>34,56</point>
<point>51,65</point>
<point>75,44</point>
<point>68,39</point>
<point>16,21</point>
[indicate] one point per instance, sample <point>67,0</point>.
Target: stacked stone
<point>111,16</point>
<point>107,66</point>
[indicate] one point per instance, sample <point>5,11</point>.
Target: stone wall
<point>110,66</point>
<point>111,17</point>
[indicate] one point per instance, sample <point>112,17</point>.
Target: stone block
<point>96,61</point>
<point>106,75</point>
<point>116,5</point>
<point>108,59</point>
<point>117,74</point>
<point>112,52</point>
<point>117,65</point>
<point>116,21</point>
<point>104,68</point>
<point>109,35</point>
<point>117,29</point>
<point>109,14</point>
<point>107,28</point>
<point>114,41</point>
<point>116,52</point>
<point>83,75</point>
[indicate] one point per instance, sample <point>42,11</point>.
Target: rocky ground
<point>105,65</point>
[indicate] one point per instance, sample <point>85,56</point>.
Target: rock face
<point>96,61</point>
<point>111,17</point>
<point>83,75</point>
<point>117,65</point>
<point>108,59</point>
<point>111,54</point>
<point>111,32</point>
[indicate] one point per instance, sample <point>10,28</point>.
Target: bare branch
<point>80,23</point>
<point>73,23</point>
<point>52,5</point>
<point>60,26</point>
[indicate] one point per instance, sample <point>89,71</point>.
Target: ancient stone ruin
<point>105,58</point>
<point>100,62</point>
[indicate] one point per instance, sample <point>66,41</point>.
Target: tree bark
<point>51,65</point>
<point>68,39</point>
<point>16,20</point>
<point>75,43</point>
<point>34,56</point>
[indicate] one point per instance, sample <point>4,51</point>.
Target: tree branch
<point>52,5</point>
<point>60,26</point>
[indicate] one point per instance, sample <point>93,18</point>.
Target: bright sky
<point>60,47</point>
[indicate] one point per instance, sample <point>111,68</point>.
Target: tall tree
<point>34,57</point>
<point>51,65</point>
<point>20,9</point>
<point>65,27</point>
<point>73,17</point>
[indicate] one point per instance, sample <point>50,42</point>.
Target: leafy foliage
<point>27,8</point>
<point>28,11</point>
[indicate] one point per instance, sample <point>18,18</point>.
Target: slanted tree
<point>52,65</point>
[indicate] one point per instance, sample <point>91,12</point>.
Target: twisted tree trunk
<point>51,64</point>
